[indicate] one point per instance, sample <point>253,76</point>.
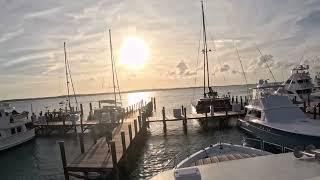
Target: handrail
<point>262,142</point>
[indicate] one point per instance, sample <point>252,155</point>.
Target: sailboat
<point>210,102</point>
<point>71,114</point>
<point>111,109</point>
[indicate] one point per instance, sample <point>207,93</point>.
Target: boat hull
<point>17,139</point>
<point>278,136</point>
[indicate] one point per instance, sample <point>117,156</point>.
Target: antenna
<point>267,65</point>
<point>244,74</point>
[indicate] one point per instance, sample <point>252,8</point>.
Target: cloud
<point>182,70</point>
<point>11,35</point>
<point>42,13</point>
<point>224,68</point>
<point>311,20</point>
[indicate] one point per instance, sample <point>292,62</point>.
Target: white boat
<point>15,128</point>
<point>218,153</point>
<point>299,85</point>
<point>109,112</point>
<point>276,166</point>
<point>274,118</point>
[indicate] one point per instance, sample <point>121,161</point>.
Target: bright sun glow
<point>134,52</point>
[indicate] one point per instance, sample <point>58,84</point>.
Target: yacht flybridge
<point>15,128</point>
<point>210,101</point>
<point>274,118</point>
<point>299,85</point>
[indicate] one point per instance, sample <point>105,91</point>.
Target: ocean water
<point>40,158</point>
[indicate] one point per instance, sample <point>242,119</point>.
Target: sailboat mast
<point>205,53</point>
<point>67,78</point>
<point>112,66</point>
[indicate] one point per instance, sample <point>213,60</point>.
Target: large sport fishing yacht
<point>274,118</point>
<point>299,85</point>
<point>211,100</point>
<point>15,128</point>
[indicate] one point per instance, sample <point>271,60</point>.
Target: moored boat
<point>273,117</point>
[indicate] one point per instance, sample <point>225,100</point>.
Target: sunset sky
<point>32,35</point>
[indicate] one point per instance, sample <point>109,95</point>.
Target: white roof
<point>278,166</point>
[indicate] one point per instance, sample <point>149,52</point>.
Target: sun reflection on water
<point>135,97</point>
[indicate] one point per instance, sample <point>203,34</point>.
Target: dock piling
<point>64,160</point>
<point>164,119</point>
<point>130,133</point>
<point>304,106</point>
<point>135,127</point>
<point>185,127</point>
<point>81,142</point>
<point>99,104</point>
<point>241,103</point>
<point>114,159</point>
<point>123,141</point>
<point>81,118</point>
<point>314,112</point>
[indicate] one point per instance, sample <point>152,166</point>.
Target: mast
<point>112,66</point>
<point>205,54</point>
<point>67,77</point>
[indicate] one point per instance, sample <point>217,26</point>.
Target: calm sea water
<point>40,158</point>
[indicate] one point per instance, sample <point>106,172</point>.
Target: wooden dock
<point>102,158</point>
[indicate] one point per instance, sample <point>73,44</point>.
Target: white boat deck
<point>270,167</point>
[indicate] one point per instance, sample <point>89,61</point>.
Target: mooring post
<point>314,112</point>
<point>164,119</point>
<point>304,106</point>
<point>123,141</point>
<point>232,100</point>
<point>226,109</point>
<point>81,118</point>
<point>99,102</point>
<point>81,142</point>
<point>139,123</point>
<point>64,160</point>
<point>135,127</point>
<point>94,136</point>
<point>319,108</point>
<point>236,99</point>
<point>185,127</point>
<point>309,100</point>
<point>241,103</point>
<point>154,104</point>
<point>114,159</point>
<point>90,107</point>
<point>130,133</point>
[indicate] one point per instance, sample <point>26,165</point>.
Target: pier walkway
<point>101,157</point>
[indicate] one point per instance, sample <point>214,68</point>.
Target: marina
<point>110,90</point>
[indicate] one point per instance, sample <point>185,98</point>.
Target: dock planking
<point>98,157</point>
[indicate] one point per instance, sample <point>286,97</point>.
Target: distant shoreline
<point>96,94</point>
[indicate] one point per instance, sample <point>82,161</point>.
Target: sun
<point>134,52</point>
